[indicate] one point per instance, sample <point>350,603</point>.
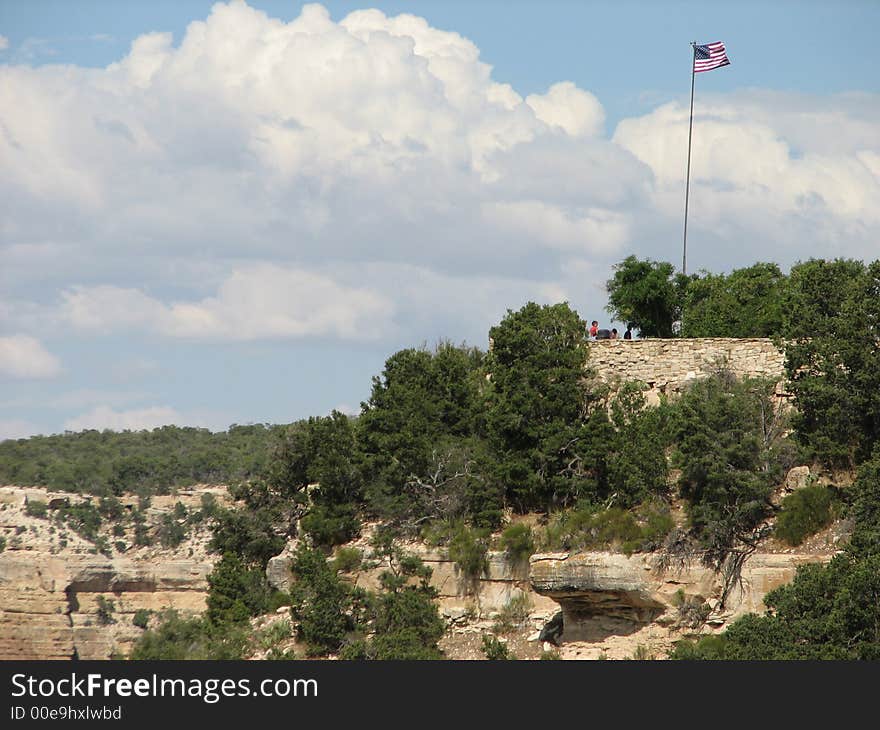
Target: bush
<point>804,513</point>
<point>84,519</point>
<point>273,634</point>
<point>2,543</point>
<point>590,527</point>
<point>320,602</point>
<point>707,647</point>
<point>496,650</point>
<point>105,611</point>
<point>36,508</point>
<point>171,531</point>
<point>468,550</point>
<point>237,591</point>
<point>517,542</point>
<point>347,560</point>
<point>330,525</point>
<point>514,613</point>
<point>142,618</point>
<point>176,638</point>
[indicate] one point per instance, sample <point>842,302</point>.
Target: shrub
<point>105,611</point>
<point>237,591</point>
<point>274,634</point>
<point>176,638</point>
<point>36,508</point>
<point>804,513</point>
<point>330,525</point>
<point>514,613</point>
<point>120,546</point>
<point>84,519</point>
<point>496,650</point>
<point>171,531</point>
<point>2,543</point>
<point>142,618</point>
<point>102,545</point>
<point>707,647</point>
<point>347,560</point>
<point>468,550</point>
<point>614,528</point>
<point>517,542</point>
<point>320,602</point>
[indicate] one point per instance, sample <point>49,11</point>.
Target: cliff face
<point>598,591</point>
<point>62,599</point>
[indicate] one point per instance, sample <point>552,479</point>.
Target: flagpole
<point>687,186</point>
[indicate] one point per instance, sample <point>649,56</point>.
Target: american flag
<point>709,56</point>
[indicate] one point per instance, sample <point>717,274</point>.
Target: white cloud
<point>340,151</point>
<point>574,110</point>
<point>774,178</point>
<point>586,231</point>
<point>4,43</point>
<point>22,356</point>
<point>260,301</point>
<point>374,138</point>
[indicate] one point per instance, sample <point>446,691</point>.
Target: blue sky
<point>240,221</point>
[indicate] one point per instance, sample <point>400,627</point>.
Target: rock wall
<point>603,593</point>
<point>666,365</point>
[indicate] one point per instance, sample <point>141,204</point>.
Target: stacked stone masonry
<point>665,366</point>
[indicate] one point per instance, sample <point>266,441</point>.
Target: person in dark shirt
<point>628,335</point>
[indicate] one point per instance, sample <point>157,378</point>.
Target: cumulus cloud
<point>22,356</point>
<point>342,152</point>
<point>574,110</point>
<point>763,170</point>
<point>374,138</point>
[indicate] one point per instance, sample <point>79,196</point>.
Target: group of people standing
<point>603,334</point>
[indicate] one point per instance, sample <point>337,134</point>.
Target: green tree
<point>403,617</point>
<point>321,602</point>
<point>539,407</point>
<point>832,350</point>
<point>317,463</point>
<point>236,591</point>
<point>420,433</point>
<point>730,449</point>
<point>746,303</point>
<point>648,294</point>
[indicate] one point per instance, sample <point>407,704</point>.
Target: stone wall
<point>667,365</point>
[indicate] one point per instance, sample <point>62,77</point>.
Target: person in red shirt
<point>594,329</point>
